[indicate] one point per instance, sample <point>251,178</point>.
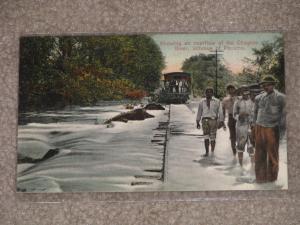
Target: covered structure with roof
<point>176,88</point>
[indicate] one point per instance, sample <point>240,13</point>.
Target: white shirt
<point>214,111</point>
<point>243,106</point>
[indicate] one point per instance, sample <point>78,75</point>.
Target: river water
<point>128,157</point>
<point>92,156</point>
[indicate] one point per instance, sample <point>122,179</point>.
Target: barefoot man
<point>242,112</point>
<point>210,113</point>
<point>227,105</point>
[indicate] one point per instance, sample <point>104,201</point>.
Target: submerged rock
<point>34,149</point>
<point>135,183</point>
<point>27,159</point>
<point>136,114</point>
<point>154,106</point>
<point>129,106</point>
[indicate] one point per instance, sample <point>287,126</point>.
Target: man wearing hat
<point>227,104</point>
<point>268,118</point>
<point>242,112</point>
<point>211,115</point>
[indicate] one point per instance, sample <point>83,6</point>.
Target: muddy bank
<point>136,114</point>
<point>154,106</point>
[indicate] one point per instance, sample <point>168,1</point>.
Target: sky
<point>234,46</point>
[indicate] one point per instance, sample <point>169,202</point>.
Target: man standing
<point>242,112</point>
<point>227,105</point>
<point>268,117</point>
<point>211,115</point>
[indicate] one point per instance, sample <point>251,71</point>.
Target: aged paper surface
<point>20,18</point>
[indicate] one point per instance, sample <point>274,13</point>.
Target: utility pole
<point>216,78</point>
<point>258,60</point>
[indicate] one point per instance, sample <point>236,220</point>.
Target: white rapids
<point>123,158</point>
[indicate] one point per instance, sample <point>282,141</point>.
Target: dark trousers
<point>232,132</point>
<point>266,153</point>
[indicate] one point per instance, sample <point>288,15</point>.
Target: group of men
<point>254,123</point>
<point>176,86</point>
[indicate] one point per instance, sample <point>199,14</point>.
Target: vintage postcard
<point>152,112</point>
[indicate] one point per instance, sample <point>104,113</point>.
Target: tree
<point>269,59</point>
<point>58,71</point>
<point>34,68</point>
<point>203,70</point>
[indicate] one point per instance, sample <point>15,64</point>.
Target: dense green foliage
<point>59,71</point>
<point>269,59</point>
<point>203,70</point>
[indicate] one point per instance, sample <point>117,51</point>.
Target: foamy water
<point>122,157</point>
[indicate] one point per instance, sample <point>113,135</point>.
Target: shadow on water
<point>24,120</point>
<point>70,114</point>
<point>209,161</point>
